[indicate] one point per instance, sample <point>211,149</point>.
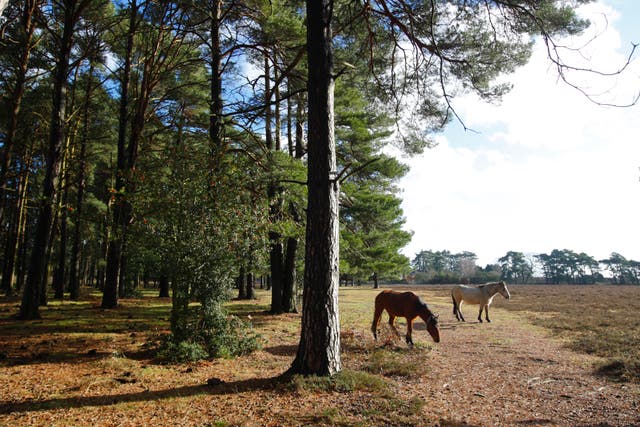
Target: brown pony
<point>407,305</point>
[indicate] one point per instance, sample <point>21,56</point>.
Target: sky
<point>546,168</point>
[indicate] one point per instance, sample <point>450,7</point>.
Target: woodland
<point>560,266</point>
<point>201,144</point>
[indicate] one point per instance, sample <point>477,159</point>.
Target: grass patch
<point>391,363</point>
<point>328,416</point>
<point>345,381</point>
<point>392,411</point>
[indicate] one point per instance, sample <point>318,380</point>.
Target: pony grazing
<point>482,294</point>
<point>407,305</point>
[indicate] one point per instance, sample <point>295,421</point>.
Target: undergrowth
<point>220,337</point>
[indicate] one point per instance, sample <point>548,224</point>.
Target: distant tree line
<point>557,267</point>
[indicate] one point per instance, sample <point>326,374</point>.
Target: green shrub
<point>227,336</point>
<point>209,336</point>
<point>180,352</point>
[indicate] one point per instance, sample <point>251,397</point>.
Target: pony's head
<point>432,327</point>
<point>503,290</point>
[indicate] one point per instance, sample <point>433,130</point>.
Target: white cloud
<point>548,170</point>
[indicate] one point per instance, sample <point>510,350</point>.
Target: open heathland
<point>552,355</point>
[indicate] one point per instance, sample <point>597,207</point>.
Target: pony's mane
<point>491,284</point>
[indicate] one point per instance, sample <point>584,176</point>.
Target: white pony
<point>482,295</point>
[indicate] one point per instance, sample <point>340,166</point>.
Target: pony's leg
<point>409,331</point>
<point>393,326</point>
<point>486,313</point>
<point>455,307</point>
<point>480,313</point>
<point>460,311</point>
<point>376,320</point>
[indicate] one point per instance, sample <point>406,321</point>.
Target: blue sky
<point>545,169</point>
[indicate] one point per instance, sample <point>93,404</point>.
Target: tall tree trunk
<point>319,348</point>
<point>28,26</point>
<point>103,251</point>
<point>21,265</point>
<point>74,265</point>
<point>275,261</point>
<point>11,242</point>
<point>59,276</point>
<point>289,268</point>
<point>60,270</point>
<point>21,248</point>
<point>216,124</point>
<point>276,95</point>
<point>289,279</point>
<point>114,252</point>
<point>290,136</point>
<point>299,148</point>
<point>249,282</point>
<point>240,282</point>
<point>122,277</point>
<point>275,252</point>
<point>74,268</point>
<point>38,263</point>
<point>275,244</point>
<point>164,286</point>
<point>268,135</point>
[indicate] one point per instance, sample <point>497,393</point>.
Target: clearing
<point>81,365</point>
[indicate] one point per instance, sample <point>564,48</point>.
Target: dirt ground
<point>506,373</point>
<point>489,374</point>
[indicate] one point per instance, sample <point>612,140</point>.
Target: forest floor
<point>81,365</point>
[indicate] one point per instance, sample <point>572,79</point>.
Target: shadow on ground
<point>220,388</point>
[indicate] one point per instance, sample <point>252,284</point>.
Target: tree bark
<point>276,95</point>
<point>59,272</point>
<point>74,265</point>
<point>114,252</point>
<point>240,282</point>
<point>216,123</point>
<point>319,348</point>
<point>11,243</point>
<point>289,279</point>
<point>21,244</point>
<point>289,268</point>
<point>275,199</point>
<point>164,286</point>
<point>250,294</point>
<point>32,294</point>
<point>299,148</point>
<point>275,252</point>
<point>28,26</point>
